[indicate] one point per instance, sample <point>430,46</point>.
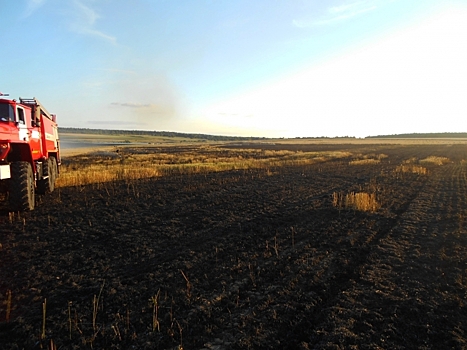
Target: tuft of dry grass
<point>360,201</point>
<point>411,160</point>
<point>411,168</point>
<point>338,200</point>
<point>368,161</point>
<point>377,156</point>
<point>436,160</point>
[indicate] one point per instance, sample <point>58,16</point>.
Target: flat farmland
<point>242,247</point>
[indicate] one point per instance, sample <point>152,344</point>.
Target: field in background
<point>76,143</point>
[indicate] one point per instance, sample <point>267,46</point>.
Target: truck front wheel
<point>22,187</point>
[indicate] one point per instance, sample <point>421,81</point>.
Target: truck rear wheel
<point>47,185</point>
<point>22,187</point>
<point>55,168</point>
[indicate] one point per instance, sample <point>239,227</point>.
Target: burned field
<point>275,256</point>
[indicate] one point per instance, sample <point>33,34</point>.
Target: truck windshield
<point>6,113</point>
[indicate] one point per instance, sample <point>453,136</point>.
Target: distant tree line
<point>440,135</point>
<point>158,133</point>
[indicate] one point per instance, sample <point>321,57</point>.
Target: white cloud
<point>96,33</point>
<point>81,18</point>
<point>84,21</point>
<point>31,6</point>
<point>86,13</point>
<point>351,8</point>
<point>339,13</point>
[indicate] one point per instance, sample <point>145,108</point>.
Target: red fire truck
<point>29,151</point>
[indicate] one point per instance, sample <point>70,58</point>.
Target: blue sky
<point>271,68</point>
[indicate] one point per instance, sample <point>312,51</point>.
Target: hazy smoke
<point>149,100</point>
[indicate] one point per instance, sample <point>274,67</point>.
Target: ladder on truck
<point>39,108</point>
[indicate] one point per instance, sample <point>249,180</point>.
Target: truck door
<point>23,128</point>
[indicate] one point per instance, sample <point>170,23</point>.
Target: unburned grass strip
<point>85,170</point>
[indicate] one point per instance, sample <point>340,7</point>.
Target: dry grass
<point>380,156</point>
<point>410,165</point>
<point>411,160</point>
<point>100,174</point>
<point>435,160</point>
<point>364,161</point>
<point>361,201</point>
<point>152,162</point>
<point>368,159</point>
<point>411,168</point>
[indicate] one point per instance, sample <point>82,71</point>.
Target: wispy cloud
<point>84,22</point>
<point>31,6</point>
<point>340,13</point>
<point>132,105</point>
<point>81,18</point>
<point>154,109</point>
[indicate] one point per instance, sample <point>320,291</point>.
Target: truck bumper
<point>5,172</point>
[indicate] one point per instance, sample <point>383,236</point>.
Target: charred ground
<point>255,258</point>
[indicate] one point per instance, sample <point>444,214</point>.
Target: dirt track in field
<point>245,259</point>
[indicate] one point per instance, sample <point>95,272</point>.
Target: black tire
<point>55,168</point>
<point>22,187</point>
<point>47,185</point>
